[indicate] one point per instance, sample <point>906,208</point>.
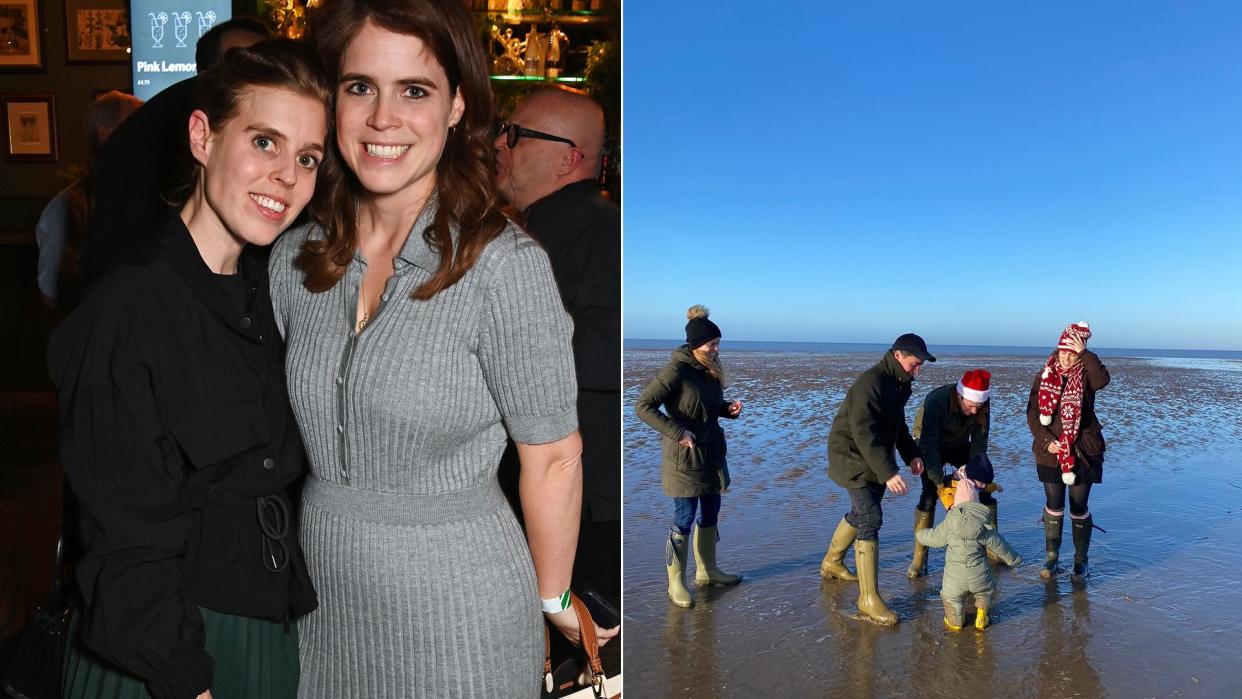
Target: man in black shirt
<point>548,161</point>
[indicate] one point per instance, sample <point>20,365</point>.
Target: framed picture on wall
<point>30,126</point>
<point>20,48</point>
<point>96,31</point>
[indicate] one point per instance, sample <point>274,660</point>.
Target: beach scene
<point>1154,618</point>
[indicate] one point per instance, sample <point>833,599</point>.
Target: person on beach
<point>694,472</point>
<point>951,428</point>
<point>1067,441</point>
<point>424,329</point>
<point>869,425</point>
<point>177,436</point>
<point>967,532</point>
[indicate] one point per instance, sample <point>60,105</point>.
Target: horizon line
<point>945,344</point>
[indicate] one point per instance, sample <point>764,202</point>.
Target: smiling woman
<point>424,329</point>
<point>177,434</point>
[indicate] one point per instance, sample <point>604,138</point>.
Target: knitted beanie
<point>700,330</point>
<point>1080,330</point>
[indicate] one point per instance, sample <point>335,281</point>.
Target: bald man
<point>548,160</point>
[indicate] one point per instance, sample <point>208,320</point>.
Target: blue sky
<point>980,173</point>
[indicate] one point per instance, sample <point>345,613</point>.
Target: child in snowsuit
<point>968,533</point>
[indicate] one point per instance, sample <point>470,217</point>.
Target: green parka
<point>946,435</point>
<point>693,401</point>
<point>967,531</point>
<point>869,424</point>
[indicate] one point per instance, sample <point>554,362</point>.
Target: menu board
<point>165,33</point>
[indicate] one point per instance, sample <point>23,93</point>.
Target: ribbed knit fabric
<point>426,586</point>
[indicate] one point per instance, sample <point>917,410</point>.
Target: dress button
<point>384,296</point>
<point>344,473</point>
<point>340,381</point>
<point>269,463</point>
<point>260,337</point>
<point>340,429</point>
<point>245,322</point>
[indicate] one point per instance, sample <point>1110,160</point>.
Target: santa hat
<point>1079,330</point>
<point>974,385</point>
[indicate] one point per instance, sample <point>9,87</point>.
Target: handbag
<point>36,669</point>
<point>563,681</point>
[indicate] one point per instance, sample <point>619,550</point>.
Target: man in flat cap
<point>870,425</point>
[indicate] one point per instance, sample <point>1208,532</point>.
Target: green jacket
<point>947,436</point>
<point>694,401</point>
<point>966,532</point>
<point>869,424</point>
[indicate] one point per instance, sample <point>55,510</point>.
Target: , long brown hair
<point>467,196</point>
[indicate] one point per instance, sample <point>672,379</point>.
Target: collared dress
<point>181,451</point>
<point>425,579</point>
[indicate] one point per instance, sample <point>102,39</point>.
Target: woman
<point>423,327</point>
<point>177,435</point>
<point>691,389</point>
<point>1068,443</point>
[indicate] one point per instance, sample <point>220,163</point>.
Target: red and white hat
<point>1074,331</point>
<point>974,385</point>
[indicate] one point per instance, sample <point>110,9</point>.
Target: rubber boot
<point>918,566</point>
<point>707,573</point>
<point>981,613</point>
<point>833,565</point>
<point>952,614</point>
<point>870,604</point>
<point>993,558</point>
<point>1081,530</point>
<point>1052,544</point>
<point>675,561</point>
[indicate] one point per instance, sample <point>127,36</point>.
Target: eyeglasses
<point>513,132</point>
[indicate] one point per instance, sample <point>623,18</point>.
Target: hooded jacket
<point>966,532</point>
<point>694,401</point>
<point>869,424</point>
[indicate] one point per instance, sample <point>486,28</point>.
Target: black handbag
<point>36,669</point>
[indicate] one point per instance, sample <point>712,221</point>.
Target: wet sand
<point>1159,616</point>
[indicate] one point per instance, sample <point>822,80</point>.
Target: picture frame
<point>30,127</point>
<point>96,31</point>
<point>21,44</point>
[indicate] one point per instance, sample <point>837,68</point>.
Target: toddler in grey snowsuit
<point>968,533</point>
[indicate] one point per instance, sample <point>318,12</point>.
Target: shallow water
<point>1159,616</point>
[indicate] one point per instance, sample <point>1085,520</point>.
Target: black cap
<point>979,469</point>
<point>913,344</point>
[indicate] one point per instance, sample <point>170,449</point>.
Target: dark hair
<point>279,63</point>
<point>207,50</point>
<point>468,200</point>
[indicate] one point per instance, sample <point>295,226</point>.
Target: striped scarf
<point>1062,389</point>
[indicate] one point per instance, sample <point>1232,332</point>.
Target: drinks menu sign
<point>165,33</point>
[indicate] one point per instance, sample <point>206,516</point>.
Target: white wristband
<point>556,605</point>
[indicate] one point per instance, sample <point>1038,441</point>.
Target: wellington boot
<point>981,618</point>
<point>993,558</point>
<point>1052,544</point>
<point>833,565</point>
<point>675,561</point>
<point>918,566</point>
<point>870,604</point>
<point>952,615</point>
<point>1081,530</point>
<point>707,573</point>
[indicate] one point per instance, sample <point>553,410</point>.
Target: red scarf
<point>1063,386</point>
